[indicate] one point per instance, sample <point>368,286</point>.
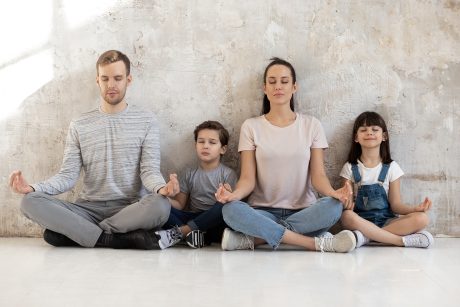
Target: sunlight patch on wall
<point>80,13</point>
<point>23,79</point>
<point>26,25</point>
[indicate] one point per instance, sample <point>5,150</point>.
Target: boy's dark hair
<point>367,119</point>
<point>277,61</point>
<point>213,125</point>
<point>112,56</point>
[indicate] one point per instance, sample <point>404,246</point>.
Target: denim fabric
<point>269,224</point>
<point>371,201</point>
<point>209,221</point>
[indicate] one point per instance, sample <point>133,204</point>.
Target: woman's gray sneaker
<point>233,240</point>
<point>343,242</point>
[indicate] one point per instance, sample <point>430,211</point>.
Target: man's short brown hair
<point>113,56</point>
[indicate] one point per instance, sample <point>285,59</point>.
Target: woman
<point>281,163</point>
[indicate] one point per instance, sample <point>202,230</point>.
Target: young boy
<point>197,188</point>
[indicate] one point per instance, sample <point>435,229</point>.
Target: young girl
<point>378,199</point>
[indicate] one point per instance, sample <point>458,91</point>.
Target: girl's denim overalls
<point>371,201</point>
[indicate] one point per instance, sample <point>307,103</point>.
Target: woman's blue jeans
<point>270,224</point>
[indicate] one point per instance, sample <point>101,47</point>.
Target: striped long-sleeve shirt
<point>119,154</point>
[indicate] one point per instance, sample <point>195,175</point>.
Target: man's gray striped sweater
<point>119,154</point>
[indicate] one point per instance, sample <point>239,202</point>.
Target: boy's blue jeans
<point>210,221</point>
<point>270,224</point>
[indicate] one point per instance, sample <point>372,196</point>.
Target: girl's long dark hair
<point>277,61</point>
<point>366,119</point>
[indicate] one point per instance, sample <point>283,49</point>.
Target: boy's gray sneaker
<point>169,237</point>
<point>360,238</point>
<point>232,240</point>
<point>422,239</point>
<point>343,242</point>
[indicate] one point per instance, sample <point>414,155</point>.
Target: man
<point>123,195</point>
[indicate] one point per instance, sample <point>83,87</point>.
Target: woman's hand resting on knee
<point>345,195</point>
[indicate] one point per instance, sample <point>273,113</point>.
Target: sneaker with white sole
<point>169,237</point>
<point>326,234</point>
<point>360,238</point>
<point>422,239</point>
<point>195,239</point>
<point>233,240</point>
<point>343,242</point>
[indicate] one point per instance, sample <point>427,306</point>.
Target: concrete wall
<point>198,60</point>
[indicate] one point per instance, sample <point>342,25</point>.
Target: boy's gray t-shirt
<point>201,185</point>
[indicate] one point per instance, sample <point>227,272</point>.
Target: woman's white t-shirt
<point>282,160</point>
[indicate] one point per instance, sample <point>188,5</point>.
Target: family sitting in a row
<point>125,202</point>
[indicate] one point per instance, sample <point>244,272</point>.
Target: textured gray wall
<point>198,60</point>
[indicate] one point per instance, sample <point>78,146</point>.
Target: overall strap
<point>355,171</point>
<point>383,172</point>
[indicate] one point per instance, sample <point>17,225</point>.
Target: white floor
<point>36,274</point>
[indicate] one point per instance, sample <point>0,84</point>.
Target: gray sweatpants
<point>84,221</point>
